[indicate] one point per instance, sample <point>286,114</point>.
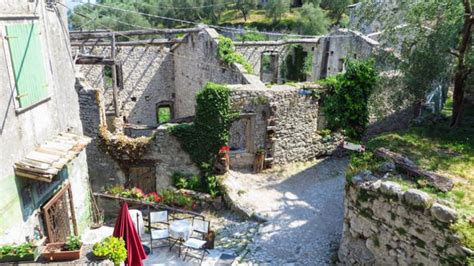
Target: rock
<point>363,176</point>
<point>417,198</point>
<point>443,213</point>
<point>387,167</point>
<point>390,188</point>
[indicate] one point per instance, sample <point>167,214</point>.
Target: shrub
<point>73,242</point>
<point>112,248</point>
<point>226,52</point>
<point>346,105</point>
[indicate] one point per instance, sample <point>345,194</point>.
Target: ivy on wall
<point>226,52</point>
<point>346,102</point>
<point>210,130</point>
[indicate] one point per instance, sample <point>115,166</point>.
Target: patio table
<point>180,230</point>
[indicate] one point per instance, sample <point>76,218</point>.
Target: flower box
<point>58,252</point>
<point>32,256</point>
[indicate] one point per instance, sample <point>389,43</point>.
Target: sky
<point>73,3</point>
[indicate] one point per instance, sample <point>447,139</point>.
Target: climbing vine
<point>210,130</point>
<point>346,103</point>
<point>122,148</point>
<point>226,52</point>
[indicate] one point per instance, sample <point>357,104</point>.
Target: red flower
<point>224,149</point>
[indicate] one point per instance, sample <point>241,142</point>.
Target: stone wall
<point>286,123</point>
<point>195,64</point>
<point>333,49</point>
<point>253,52</point>
<point>148,78</point>
<point>386,225</point>
<point>21,132</point>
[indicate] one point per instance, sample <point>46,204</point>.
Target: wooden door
<point>142,177</point>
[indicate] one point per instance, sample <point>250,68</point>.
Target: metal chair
<point>157,233</point>
<point>201,227</point>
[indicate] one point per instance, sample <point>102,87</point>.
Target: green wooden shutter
<point>27,60</point>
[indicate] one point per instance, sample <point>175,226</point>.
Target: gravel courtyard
<point>303,205</point>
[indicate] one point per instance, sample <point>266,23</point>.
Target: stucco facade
<point>21,132</point>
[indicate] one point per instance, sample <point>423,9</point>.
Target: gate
<point>59,214</point>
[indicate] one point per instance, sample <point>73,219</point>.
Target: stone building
<point>41,154</point>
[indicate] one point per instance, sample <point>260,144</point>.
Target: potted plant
<point>69,250</point>
<point>259,160</point>
<point>112,248</point>
<point>23,252</point>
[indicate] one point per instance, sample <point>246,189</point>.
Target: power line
<point>167,52</point>
<point>226,29</point>
<point>191,7</point>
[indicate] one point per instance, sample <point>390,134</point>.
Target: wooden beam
<point>114,77</point>
<point>440,182</point>
<point>95,61</point>
<point>77,35</point>
<point>131,43</point>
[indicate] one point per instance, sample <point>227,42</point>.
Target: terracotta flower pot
<point>57,252</point>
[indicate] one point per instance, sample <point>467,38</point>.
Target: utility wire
<point>190,7</point>
<point>226,29</point>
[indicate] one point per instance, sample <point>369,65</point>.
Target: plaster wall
<point>21,132</point>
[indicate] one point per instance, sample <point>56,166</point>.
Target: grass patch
<point>438,148</point>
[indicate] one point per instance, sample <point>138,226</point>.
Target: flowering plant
<point>224,149</point>
<point>152,197</point>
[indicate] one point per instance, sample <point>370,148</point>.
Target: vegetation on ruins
<point>122,148</point>
<point>433,146</point>
<point>226,52</point>
<point>346,102</point>
<point>203,139</point>
<point>434,36</point>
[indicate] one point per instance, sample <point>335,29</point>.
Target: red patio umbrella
<point>125,228</point>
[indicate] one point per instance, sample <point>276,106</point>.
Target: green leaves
<point>111,247</point>
<point>210,131</point>
<point>346,105</point>
<point>226,52</point>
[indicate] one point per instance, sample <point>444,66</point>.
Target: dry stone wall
<point>148,78</point>
<point>286,123</point>
<point>385,225</point>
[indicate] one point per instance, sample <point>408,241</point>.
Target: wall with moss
<point>387,225</point>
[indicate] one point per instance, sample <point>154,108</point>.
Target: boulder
<point>417,198</point>
<point>443,213</point>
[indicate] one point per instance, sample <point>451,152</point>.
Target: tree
<point>336,8</point>
<point>245,6</point>
<point>276,8</point>
<point>312,20</point>
<point>433,41</point>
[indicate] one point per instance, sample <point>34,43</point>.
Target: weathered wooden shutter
<point>27,60</point>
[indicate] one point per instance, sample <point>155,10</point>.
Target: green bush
<point>112,248</point>
<point>346,103</point>
<point>73,243</point>
<point>17,250</point>
<point>226,52</point>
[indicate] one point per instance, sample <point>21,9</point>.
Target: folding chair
<point>201,227</point>
<point>157,233</point>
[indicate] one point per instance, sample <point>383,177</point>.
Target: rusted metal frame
<point>73,212</point>
<point>145,203</point>
<point>48,205</point>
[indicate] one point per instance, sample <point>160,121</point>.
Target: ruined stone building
<point>165,74</point>
<point>44,179</point>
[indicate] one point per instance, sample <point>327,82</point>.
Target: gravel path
<point>303,204</point>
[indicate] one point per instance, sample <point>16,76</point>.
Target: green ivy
<point>226,52</point>
<point>210,130</point>
<point>346,103</point>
